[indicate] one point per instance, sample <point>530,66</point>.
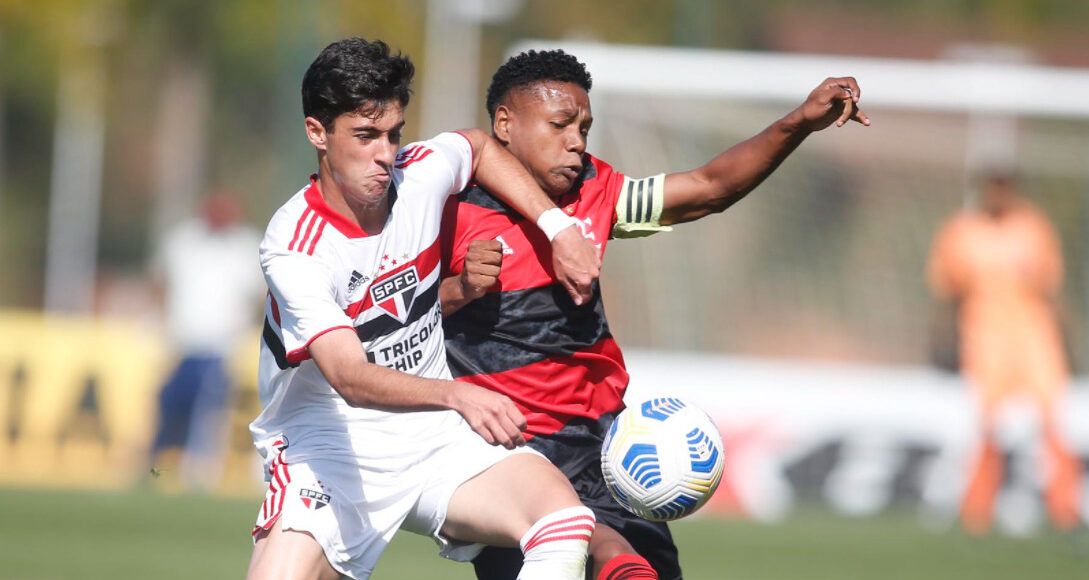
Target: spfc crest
<point>396,293</point>
<point>313,499</point>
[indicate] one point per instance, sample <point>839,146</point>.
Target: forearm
<point>343,362</point>
<point>377,387</point>
<point>758,156</point>
<point>501,174</point>
<point>452,295</point>
<point>360,383</point>
<point>732,174</point>
<point>575,262</point>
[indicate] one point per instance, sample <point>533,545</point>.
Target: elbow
<point>353,394</point>
<point>718,205</point>
<point>719,193</point>
<point>723,200</point>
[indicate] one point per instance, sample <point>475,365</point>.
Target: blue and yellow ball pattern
<point>662,459</point>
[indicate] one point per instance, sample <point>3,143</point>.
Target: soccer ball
<point>662,459</point>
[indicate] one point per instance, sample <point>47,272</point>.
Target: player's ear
<point>316,132</point>
<point>501,124</point>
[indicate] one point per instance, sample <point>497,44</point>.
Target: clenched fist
<point>483,261</point>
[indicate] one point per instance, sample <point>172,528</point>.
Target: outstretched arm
<point>736,171</point>
<point>576,263</point>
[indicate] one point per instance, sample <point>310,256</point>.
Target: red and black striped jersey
<point>526,338</point>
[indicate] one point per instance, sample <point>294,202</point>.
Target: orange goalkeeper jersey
<point>1006,273</point>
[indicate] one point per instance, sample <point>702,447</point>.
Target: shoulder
<point>441,165</point>
<point>450,148</point>
<point>294,226</point>
<point>475,195</point>
<point>957,228</point>
<point>598,172</point>
<point>1031,212</point>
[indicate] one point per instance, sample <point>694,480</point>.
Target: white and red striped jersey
<point>324,272</point>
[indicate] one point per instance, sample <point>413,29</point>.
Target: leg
<point>614,558</point>
<point>173,427</point>
<point>497,563</point>
<point>288,555</point>
<point>1062,472</point>
<point>175,407</point>
<point>497,506</point>
<point>623,545</point>
<point>202,463</point>
<point>611,554</point>
<point>523,500</point>
<point>986,479</point>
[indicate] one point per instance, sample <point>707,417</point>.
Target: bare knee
<point>606,544</point>
<point>560,493</point>
<point>497,506</point>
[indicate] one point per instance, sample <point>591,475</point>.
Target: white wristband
<point>554,221</point>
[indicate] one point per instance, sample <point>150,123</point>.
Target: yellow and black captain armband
<point>639,207</point>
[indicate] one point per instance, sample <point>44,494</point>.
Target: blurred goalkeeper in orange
<point>1002,266</point>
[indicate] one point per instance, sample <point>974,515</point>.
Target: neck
<point>369,215</point>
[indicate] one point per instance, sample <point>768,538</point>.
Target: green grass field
<point>84,536</point>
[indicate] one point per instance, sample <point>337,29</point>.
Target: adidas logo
<point>355,281</point>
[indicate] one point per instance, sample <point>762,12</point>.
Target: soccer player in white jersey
<point>362,431</point>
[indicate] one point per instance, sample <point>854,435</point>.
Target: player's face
<point>999,195</point>
<point>359,150</point>
<point>545,127</point>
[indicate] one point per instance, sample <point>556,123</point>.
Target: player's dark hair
<point>354,75</point>
<point>535,66</point>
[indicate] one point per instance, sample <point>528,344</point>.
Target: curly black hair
<point>355,75</point>
<point>535,66</point>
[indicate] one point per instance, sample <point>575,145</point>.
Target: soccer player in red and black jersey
<point>511,328</point>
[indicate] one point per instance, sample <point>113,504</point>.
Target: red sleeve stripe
<point>317,236</point>
<point>418,155</point>
<point>408,153</point>
<point>303,353</point>
<point>298,227</point>
<point>306,235</point>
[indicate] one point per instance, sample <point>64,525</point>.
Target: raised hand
<point>833,101</point>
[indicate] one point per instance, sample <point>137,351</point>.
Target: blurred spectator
<point>1001,265</point>
<point>208,276</point>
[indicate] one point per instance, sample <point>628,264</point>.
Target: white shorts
<point>353,511</point>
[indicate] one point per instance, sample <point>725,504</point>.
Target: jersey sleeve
<point>639,207</point>
<point>303,289</point>
<point>450,239</point>
<point>444,162</point>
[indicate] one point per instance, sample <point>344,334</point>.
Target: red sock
<point>627,567</point>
